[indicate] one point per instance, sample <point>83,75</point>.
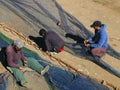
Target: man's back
<point>53,39</point>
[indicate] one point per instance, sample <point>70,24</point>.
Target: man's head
<point>42,32</point>
<point>96,25</point>
<point>17,45</point>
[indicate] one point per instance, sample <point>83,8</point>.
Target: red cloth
<point>61,49</point>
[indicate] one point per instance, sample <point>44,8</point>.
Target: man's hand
<point>25,61</point>
<point>87,45</point>
<point>86,42</point>
<point>22,69</point>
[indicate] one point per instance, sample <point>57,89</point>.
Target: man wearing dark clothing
<point>53,42</point>
<point>99,42</point>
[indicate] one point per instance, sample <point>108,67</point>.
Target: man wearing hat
<point>16,62</point>
<point>99,42</point>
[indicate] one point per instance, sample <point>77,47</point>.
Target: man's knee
<point>98,51</point>
<point>16,71</point>
<point>31,60</point>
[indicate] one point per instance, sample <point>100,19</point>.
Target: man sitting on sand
<point>99,43</point>
<point>54,43</point>
<point>17,62</point>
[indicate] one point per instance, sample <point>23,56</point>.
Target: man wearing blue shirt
<point>99,42</point>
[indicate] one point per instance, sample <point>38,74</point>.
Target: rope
<point>30,42</point>
<point>54,59</point>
